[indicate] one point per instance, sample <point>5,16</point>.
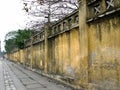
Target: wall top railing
<point>65,24</point>
<point>97,9</point>
<point>66,17</point>
<point>34,39</point>
<point>89,2</point>
<point>60,26</point>
<point>38,37</point>
<point>27,42</point>
<point>14,50</point>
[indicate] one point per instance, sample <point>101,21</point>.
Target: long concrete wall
<point>86,54</point>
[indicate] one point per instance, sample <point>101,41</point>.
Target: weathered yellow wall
<point>64,52</point>
<point>21,56</point>
<point>36,50</point>
<point>104,52</point>
<point>42,56</point>
<point>27,56</point>
<point>90,53</point>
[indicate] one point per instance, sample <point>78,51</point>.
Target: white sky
<point>12,17</point>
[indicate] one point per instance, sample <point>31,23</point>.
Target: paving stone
<point>6,84</point>
<point>8,88</point>
<point>7,80</point>
<point>34,86</point>
<point>38,89</point>
<point>28,81</point>
<point>14,89</point>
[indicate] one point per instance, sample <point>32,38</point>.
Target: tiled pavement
<point>8,82</point>
<point>15,77</point>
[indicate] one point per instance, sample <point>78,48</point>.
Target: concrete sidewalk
<point>8,80</point>
<point>15,77</point>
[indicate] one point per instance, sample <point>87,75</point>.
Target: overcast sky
<point>12,17</point>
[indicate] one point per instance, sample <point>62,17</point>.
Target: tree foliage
<point>15,39</point>
<point>10,41</point>
<point>10,44</point>
<point>21,36</point>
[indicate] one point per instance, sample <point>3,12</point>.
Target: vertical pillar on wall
<point>46,48</point>
<point>39,55</point>
<point>83,43</point>
<point>31,52</point>
<point>18,55</point>
<point>25,55</point>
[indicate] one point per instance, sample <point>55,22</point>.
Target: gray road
<point>15,77</point>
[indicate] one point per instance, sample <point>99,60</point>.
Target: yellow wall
<point>90,53</point>
<point>104,52</point>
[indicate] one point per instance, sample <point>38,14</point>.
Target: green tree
<point>15,39</point>
<point>21,36</point>
<point>10,41</point>
<point>10,44</point>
